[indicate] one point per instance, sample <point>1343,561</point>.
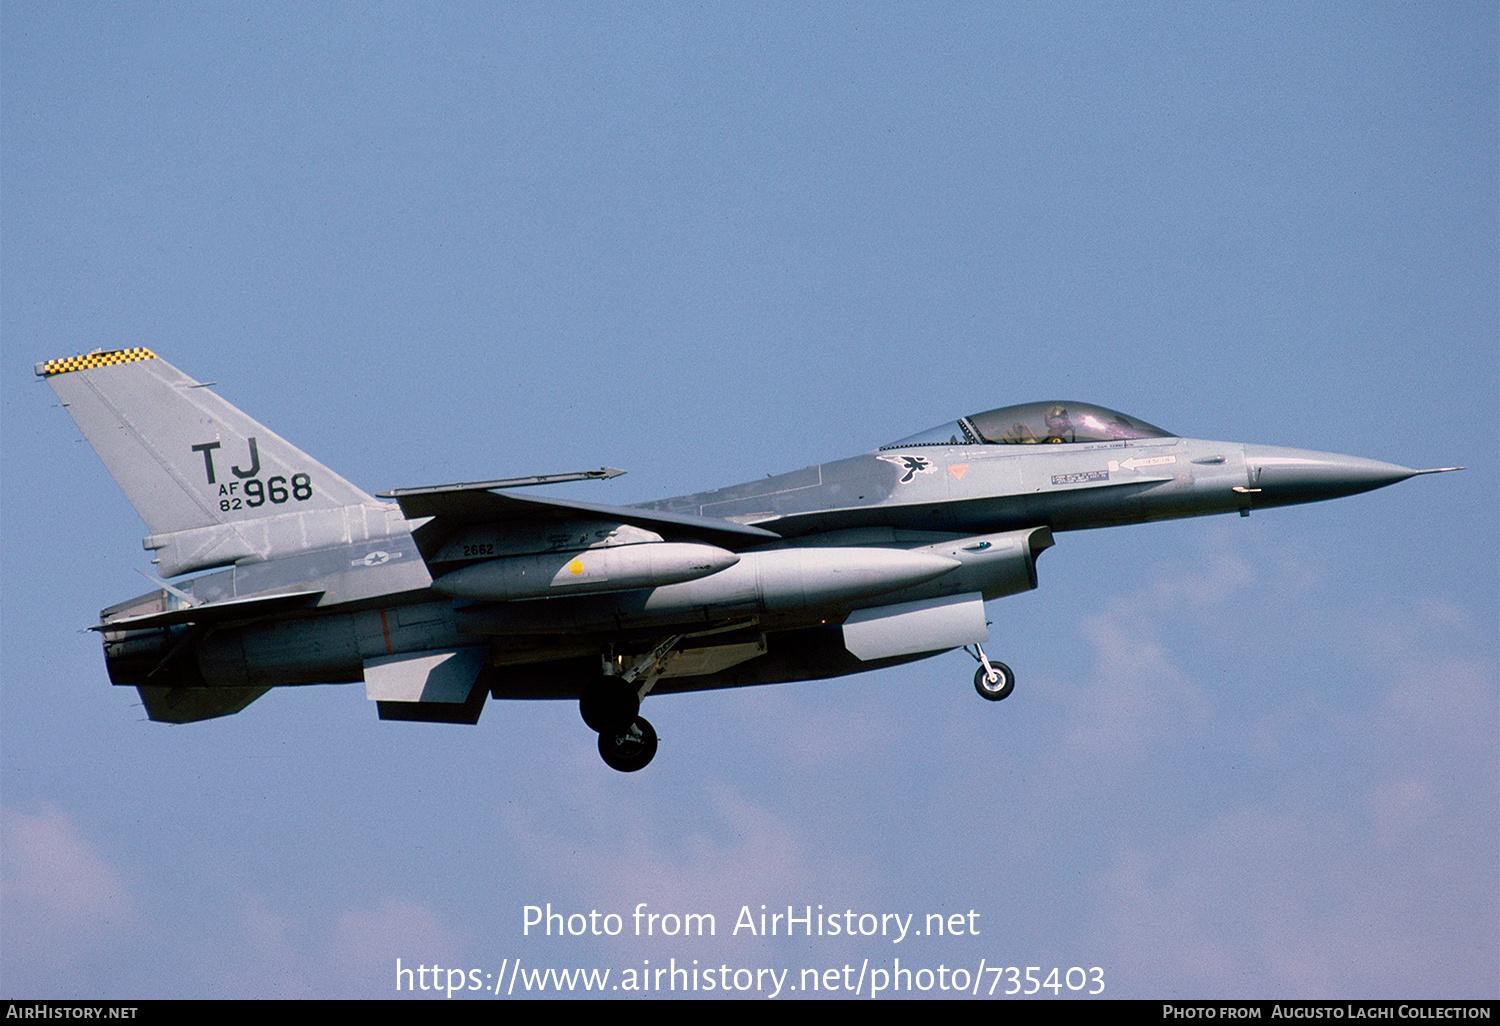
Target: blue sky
<point>451,242</point>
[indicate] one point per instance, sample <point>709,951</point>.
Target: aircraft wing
<point>454,506</point>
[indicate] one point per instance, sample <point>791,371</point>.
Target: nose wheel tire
<point>631,749</point>
<point>997,685</point>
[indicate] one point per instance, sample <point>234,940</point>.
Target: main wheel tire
<point>629,750</point>
<point>997,688</point>
<point>608,706</point>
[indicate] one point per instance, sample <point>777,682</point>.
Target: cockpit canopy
<point>1034,423</point>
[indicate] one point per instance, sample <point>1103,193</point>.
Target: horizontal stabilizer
<point>214,612</point>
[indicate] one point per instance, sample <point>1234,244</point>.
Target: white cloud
<point>1136,698</point>
<point>1292,901</point>
<point>62,897</point>
<point>1367,865</point>
<point>711,853</point>
<point>350,953</point>
<point>67,915</point>
<point>370,939</point>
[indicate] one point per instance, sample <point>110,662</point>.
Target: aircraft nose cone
<point>1287,476</point>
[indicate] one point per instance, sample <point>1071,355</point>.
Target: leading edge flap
<point>457,506</point>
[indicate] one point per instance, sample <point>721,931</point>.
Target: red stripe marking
<point>385,629</point>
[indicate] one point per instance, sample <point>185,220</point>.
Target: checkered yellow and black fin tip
<point>91,360</point>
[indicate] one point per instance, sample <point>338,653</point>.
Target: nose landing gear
<point>993,680</point>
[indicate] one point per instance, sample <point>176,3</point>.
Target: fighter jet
<point>439,597</point>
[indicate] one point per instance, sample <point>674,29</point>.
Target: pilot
<point>1059,426</point>
<point>1018,434</point>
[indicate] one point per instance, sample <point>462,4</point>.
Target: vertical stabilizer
<point>212,484</point>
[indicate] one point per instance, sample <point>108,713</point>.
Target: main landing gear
<point>993,680</point>
<point>611,705</point>
<point>630,749</point>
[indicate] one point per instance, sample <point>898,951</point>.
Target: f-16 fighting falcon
<point>440,597</point>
